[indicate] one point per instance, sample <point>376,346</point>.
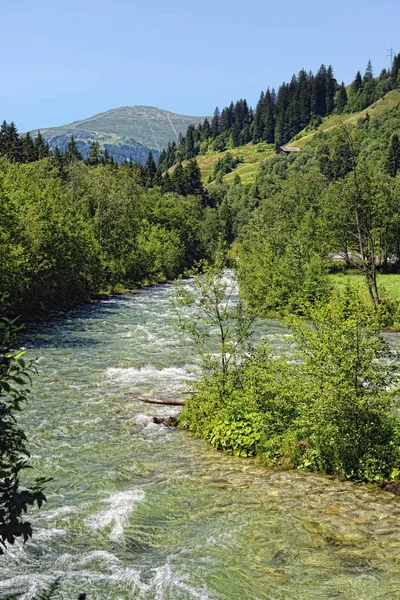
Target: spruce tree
<point>190,151</point>
<point>150,169</point>
<point>193,182</point>
<point>206,130</point>
<point>178,180</point>
<point>357,84</point>
<point>341,98</point>
<point>368,75</point>
<point>268,132</point>
<point>58,159</point>
<point>3,138</point>
<point>41,146</point>
<point>216,123</point>
<point>330,90</point>
<point>72,153</point>
<point>29,153</point>
<point>393,156</point>
<point>94,154</point>
<point>318,96</point>
<point>13,143</point>
<point>162,160</point>
<point>304,98</point>
<point>395,67</point>
<point>258,122</point>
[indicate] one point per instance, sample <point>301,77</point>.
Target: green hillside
<point>128,131</point>
<point>253,155</point>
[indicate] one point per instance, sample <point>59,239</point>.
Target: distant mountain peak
<point>126,131</point>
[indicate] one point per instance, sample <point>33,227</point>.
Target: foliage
<point>219,318</point>
<point>15,378</point>
<point>281,253</point>
<point>69,231</point>
<point>225,165</point>
<point>344,377</point>
<point>327,408</point>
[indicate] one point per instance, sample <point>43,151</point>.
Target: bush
<point>329,409</point>
<point>14,388</point>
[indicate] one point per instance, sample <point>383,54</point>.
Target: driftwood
<point>162,401</point>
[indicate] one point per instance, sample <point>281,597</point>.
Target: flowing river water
<point>137,510</point>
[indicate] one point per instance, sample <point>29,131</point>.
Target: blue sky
<point>64,61</point>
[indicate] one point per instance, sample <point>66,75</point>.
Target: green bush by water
<point>330,408</point>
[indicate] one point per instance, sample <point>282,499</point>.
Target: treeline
<point>70,230</point>
<point>278,117</point>
<point>185,180</point>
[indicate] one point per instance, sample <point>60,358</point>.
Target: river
<point>137,510</point>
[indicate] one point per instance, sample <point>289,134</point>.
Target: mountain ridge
<point>126,131</point>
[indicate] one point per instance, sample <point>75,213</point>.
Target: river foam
<point>121,505</point>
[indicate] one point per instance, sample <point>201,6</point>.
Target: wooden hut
<point>286,149</point>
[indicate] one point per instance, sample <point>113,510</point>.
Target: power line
<point>390,55</point>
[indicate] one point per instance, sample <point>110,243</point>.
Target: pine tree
<point>357,84</point>
<point>330,90</point>
<point>150,169</point>
<point>29,153</point>
<point>216,123</point>
<point>3,138</point>
<point>341,98</point>
<point>72,153</point>
<point>206,130</point>
<point>94,157</point>
<point>178,180</point>
<point>318,96</point>
<point>194,186</point>
<point>368,75</point>
<point>41,146</point>
<point>190,151</point>
<point>393,156</point>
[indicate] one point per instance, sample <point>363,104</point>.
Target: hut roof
<point>287,149</point>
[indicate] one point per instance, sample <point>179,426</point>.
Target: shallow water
<point>136,510</point>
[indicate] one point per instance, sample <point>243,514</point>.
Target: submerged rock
<point>167,421</point>
<point>391,486</point>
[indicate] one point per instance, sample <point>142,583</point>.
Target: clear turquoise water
<point>136,510</point>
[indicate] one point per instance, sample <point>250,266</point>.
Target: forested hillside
<point>279,116</point>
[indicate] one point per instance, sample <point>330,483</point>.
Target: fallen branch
<point>162,401</point>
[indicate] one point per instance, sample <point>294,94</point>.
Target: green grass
<point>390,100</point>
<point>388,285</point>
<point>251,154</point>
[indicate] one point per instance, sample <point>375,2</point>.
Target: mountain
<point>128,131</point>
